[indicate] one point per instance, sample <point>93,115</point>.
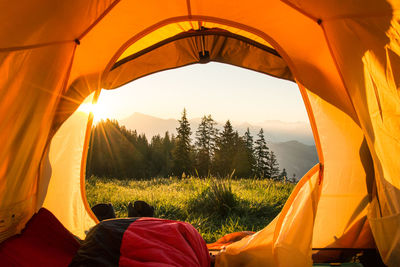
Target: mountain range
<point>293,143</point>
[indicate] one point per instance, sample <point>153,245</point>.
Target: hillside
<point>295,157</point>
<point>292,143</point>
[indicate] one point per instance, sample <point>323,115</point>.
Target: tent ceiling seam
<point>189,8</point>
<point>105,12</point>
<point>65,85</point>
<point>76,40</point>
<point>53,132</point>
<point>27,47</point>
<point>308,15</point>
<point>357,16</point>
<point>338,70</point>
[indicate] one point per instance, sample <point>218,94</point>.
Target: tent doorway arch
<point>204,45</point>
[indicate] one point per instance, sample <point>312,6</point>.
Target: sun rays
<point>99,111</point>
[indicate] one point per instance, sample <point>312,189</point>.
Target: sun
<point>99,111</point>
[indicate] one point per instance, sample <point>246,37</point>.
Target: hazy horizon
<point>224,91</point>
<point>274,131</point>
<point>199,118</point>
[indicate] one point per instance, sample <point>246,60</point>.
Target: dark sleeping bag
<point>142,242</point>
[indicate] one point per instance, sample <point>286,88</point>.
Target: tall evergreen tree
<point>248,138</point>
<point>205,145</point>
<point>261,156</point>
<point>143,164</point>
<point>283,175</point>
<point>168,146</point>
<point>241,163</point>
<point>273,166</point>
<point>182,154</point>
<point>213,132</point>
<point>224,152</point>
<point>293,179</point>
<point>157,156</point>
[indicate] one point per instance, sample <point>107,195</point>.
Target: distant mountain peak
<point>292,142</point>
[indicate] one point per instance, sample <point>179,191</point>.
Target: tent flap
<point>286,241</point>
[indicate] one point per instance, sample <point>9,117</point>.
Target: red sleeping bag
<point>143,242</point>
<point>121,242</point>
<point>44,242</point>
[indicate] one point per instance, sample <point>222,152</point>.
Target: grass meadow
<point>214,207</point>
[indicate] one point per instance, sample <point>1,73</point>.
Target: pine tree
<point>283,175</point>
<point>224,152</point>
<point>158,159</point>
<point>213,132</point>
<point>261,156</point>
<point>168,146</point>
<point>273,166</point>
<point>205,145</point>
<point>143,153</point>
<point>183,151</point>
<point>250,152</point>
<point>241,163</point>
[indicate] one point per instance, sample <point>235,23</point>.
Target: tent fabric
<point>187,48</point>
<point>344,57</point>
<point>65,158</point>
<point>281,243</point>
<point>174,30</point>
<point>44,242</point>
<point>377,106</point>
<point>142,242</point>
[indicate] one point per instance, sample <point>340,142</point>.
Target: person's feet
<point>140,209</point>
<point>104,211</point>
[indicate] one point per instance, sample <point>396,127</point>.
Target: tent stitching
<point>332,54</point>
<point>357,16</point>
<point>105,12</point>
<point>308,15</point>
<point>51,134</point>
<point>27,47</point>
<point>189,8</point>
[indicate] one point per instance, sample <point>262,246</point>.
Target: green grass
<point>214,207</point>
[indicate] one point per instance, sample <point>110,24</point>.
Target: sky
<point>224,91</point>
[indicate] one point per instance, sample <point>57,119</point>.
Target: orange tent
<point>55,55</point>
